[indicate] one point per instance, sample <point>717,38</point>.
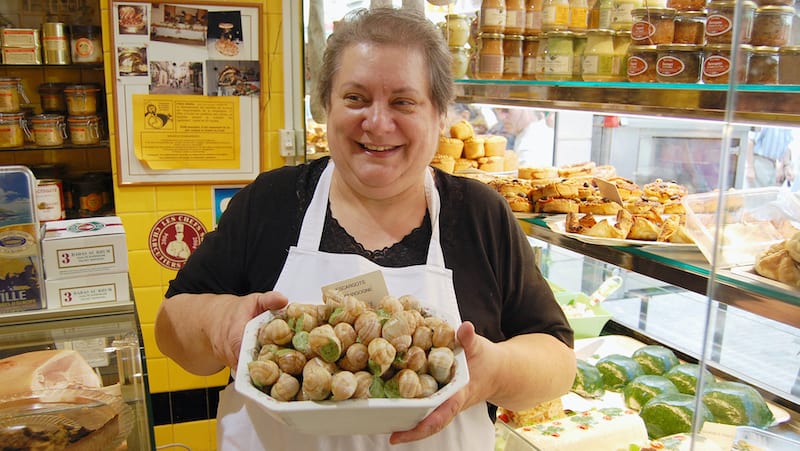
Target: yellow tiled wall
<point>140,207</point>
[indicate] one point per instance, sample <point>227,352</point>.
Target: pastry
<point>444,162</point>
<point>546,411</point>
<point>604,172</point>
<point>638,206</point>
<point>587,190</point>
<point>588,380</point>
<point>737,404</point>
<point>510,161</point>
<point>627,189</point>
<point>462,164</point>
<point>450,146</point>
<point>560,189</point>
<point>686,375</point>
<point>556,205</point>
<point>643,229</point>
<point>644,388</point>
<point>776,263</point>
<point>462,130</point>
<point>519,203</point>
<point>662,191</point>
<point>572,170</point>
<point>495,145</point>
<point>473,148</point>
<point>669,414</point>
<point>617,370</point>
<point>600,207</point>
<point>491,164</point>
<point>538,172</point>
<point>517,187</point>
<point>793,247</point>
<point>674,207</point>
<point>672,231</point>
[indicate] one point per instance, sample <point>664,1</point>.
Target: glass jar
<point>11,92</point>
<point>13,130</point>
<point>460,61</point>
<point>622,41</point>
<point>720,20</point>
<point>555,15</point>
<point>762,67</point>
<point>533,17</point>
<point>457,27</point>
<point>578,47</point>
<point>529,52</point>
<point>515,17</point>
<point>679,63</point>
<point>493,16</point>
<point>48,129</point>
<point>84,130</point>
<point>653,26</point>
<point>772,25</point>
<point>789,65</point>
<point>81,99</point>
<point>598,56</point>
<point>51,96</point>
<point>578,15</point>
<point>717,63</point>
<point>642,63</point>
<point>605,9</point>
<point>689,27</point>
<point>541,57</point>
<point>86,44</point>
<point>490,56</point>
<point>686,5</point>
<point>621,18</point>
<point>558,60</point>
<point>512,56</point>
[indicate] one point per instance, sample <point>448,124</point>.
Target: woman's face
<point>383,128</point>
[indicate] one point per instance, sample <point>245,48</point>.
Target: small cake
<point>462,164</point>
<point>444,162</point>
<point>685,377</point>
<point>518,203</point>
<point>546,411</point>
<point>450,146</point>
<point>644,388</point>
<point>655,359</point>
<point>495,145</point>
<point>737,404</point>
<point>572,170</point>
<point>588,381</point>
<point>604,429</point>
<point>462,130</point>
<point>617,370</point>
<point>473,148</point>
<point>491,164</point>
<point>669,414</point>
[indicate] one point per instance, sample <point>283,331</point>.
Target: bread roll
<point>450,146</point>
<point>42,370</point>
<point>519,203</point>
<point>462,130</point>
<point>473,148</point>
<point>495,145</point>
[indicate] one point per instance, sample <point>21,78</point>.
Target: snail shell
<point>285,388</point>
<point>300,343</point>
<point>355,358</point>
<point>329,366</point>
<point>276,331</point>
<point>316,383</point>
<point>346,334</point>
<point>324,312</point>
<point>363,382</point>
<point>325,343</point>
<point>414,318</point>
<point>263,373</point>
<point>290,361</point>
<point>408,384</point>
<point>343,385</point>
<point>414,359</point>
<point>444,336</point>
<point>422,337</point>
<point>381,355</point>
<point>395,326</point>
<point>304,322</point>
<point>367,327</point>
<point>348,312</point>
<point>267,352</point>
<point>428,385</point>
<point>409,302</point>
<point>441,362</point>
<point>390,305</point>
<point>295,309</point>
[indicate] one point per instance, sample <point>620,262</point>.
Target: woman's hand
<point>476,349</point>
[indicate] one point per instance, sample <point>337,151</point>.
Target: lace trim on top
<point>411,250</point>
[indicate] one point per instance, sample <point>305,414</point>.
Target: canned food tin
<point>84,130</point>
<point>20,55</point>
<point>20,37</point>
<point>50,200</point>
<point>48,129</point>
<point>13,130</point>
<point>81,99</point>
<point>88,193</point>
<point>55,43</point>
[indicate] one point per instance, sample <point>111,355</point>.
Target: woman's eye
<point>353,98</point>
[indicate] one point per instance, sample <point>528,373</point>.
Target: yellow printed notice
<point>186,132</point>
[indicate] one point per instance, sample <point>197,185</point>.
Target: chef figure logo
<point>174,237</point>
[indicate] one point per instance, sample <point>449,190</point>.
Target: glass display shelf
<point>102,144</point>
<point>686,269</point>
<point>93,66</point>
<point>754,103</point>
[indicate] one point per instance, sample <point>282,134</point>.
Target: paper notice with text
<point>186,132</point>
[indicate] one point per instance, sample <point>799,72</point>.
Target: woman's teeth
<point>377,148</point>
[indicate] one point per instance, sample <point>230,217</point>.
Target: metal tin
<point>50,200</point>
<point>20,37</point>
<point>55,43</point>
<point>86,44</point>
<point>21,55</point>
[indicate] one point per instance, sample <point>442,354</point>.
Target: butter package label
<point>84,246</point>
<point>19,37</point>
<point>87,290</point>
<point>20,258</point>
<point>21,55</point>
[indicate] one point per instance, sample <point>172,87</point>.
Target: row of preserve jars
<point>48,130</point>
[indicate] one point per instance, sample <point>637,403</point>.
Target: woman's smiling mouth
<point>373,148</point>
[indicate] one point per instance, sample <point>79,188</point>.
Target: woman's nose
<point>378,120</point>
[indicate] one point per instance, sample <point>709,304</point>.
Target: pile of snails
<point>348,349</point>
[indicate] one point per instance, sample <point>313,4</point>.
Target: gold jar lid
<point>490,36</point>
<point>680,47</point>
<point>765,49</point>
<point>46,118</point>
<point>600,32</point>
<point>775,9</point>
<point>513,37</point>
<point>790,49</point>
<point>653,11</point>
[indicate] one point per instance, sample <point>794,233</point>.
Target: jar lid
<point>680,47</point>
<point>622,33</point>
<point>727,47</point>
<point>88,118</point>
<point>775,9</point>
<point>731,4</point>
<point>84,29</point>
<point>559,34</point>
<point>11,116</point>
<point>490,35</point>
<point>455,16</point>
<point>691,14</point>
<point>765,49</point>
<point>653,11</point>
<point>642,48</point>
<point>600,32</point>
<point>81,88</point>
<point>513,37</point>
<point>790,49</point>
<point>43,118</point>
<point>532,38</point>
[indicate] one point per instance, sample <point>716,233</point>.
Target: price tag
<point>369,287</point>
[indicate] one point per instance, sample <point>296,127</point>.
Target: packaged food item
<point>533,17</point>
<point>20,37</point>
<point>679,63</point>
<point>598,56</point>
<point>22,56</point>
<point>493,16</point>
<point>762,67</point>
<point>622,41</point>
<point>689,27</point>
<point>772,25</point>
<point>51,96</point>
<point>515,17</point>
<point>541,56</point>
<point>50,200</point>
<point>604,9</point>
<point>457,27</point>
<point>11,92</point>
<point>490,56</point>
<point>13,130</point>
<point>55,43</point>
<point>86,45</point>
<point>84,130</point>
<point>720,20</point>
<point>578,47</point>
<point>512,56</point>
<point>555,15</point>
<point>558,64</point>
<point>686,5</point>
<point>578,15</point>
<point>642,63</point>
<point>789,65</point>
<point>460,60</point>
<point>653,26</point>
<point>81,99</point>
<point>48,129</point>
<point>529,51</point>
<point>717,63</point>
<point>621,18</point>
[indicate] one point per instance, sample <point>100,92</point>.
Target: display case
<point>109,340</point>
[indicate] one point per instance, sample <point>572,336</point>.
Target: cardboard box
<point>20,257</point>
<point>84,246</point>
<point>86,290</point>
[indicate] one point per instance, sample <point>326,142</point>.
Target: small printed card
<point>369,287</point>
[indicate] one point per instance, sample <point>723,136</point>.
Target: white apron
<point>246,427</point>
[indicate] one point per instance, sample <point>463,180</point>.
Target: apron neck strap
<point>314,219</point>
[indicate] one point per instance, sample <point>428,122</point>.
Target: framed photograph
<point>186,113</point>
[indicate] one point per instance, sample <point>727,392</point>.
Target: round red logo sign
<point>174,237</point>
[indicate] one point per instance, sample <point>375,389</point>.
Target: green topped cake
<point>655,359</point>
<point>737,404</point>
<point>644,388</point>
<point>588,380</point>
<point>669,414</point>
<point>685,376</point>
<point>617,370</point>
